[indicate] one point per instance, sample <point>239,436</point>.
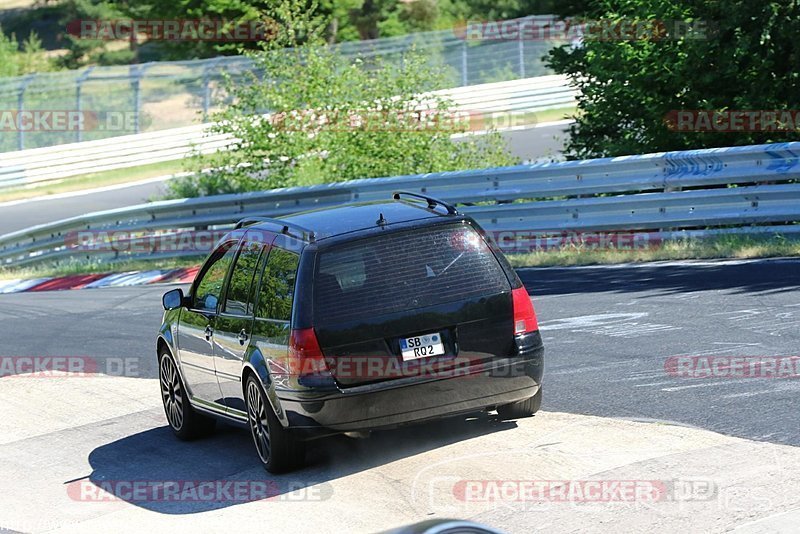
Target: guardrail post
<point>20,106</point>
<point>137,72</point>
<point>78,105</point>
<point>207,87</point>
<point>464,76</point>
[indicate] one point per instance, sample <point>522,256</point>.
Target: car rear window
<point>402,271</point>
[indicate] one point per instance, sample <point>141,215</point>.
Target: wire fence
<point>101,102</point>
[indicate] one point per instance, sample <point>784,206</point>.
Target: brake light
<point>524,314</point>
<point>305,355</point>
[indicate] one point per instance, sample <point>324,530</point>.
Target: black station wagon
<point>345,320</point>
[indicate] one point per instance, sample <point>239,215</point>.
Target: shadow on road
<point>757,277</point>
<point>155,457</point>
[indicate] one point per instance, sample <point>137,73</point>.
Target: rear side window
<point>277,286</point>
<point>408,270</point>
<point>238,300</point>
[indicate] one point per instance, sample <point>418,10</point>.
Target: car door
<point>195,336</point>
<point>234,324</point>
<point>272,325</point>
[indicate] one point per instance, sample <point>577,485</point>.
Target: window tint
<point>237,300</point>
<point>277,286</point>
<point>209,288</point>
<point>404,271</point>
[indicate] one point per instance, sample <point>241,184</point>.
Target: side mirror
<point>172,299</point>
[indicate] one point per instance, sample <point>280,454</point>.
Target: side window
<point>237,299</point>
<point>209,287</point>
<point>277,286</point>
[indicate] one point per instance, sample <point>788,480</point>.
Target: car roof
<point>354,217</point>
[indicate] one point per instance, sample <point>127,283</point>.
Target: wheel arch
<point>163,342</point>
<point>161,345</point>
<point>256,366</point>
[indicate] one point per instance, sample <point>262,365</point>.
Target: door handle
<point>209,333</point>
<point>242,337</point>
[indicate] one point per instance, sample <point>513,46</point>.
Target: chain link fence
<point>101,102</point>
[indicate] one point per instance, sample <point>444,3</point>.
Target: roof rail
<point>285,227</point>
<point>432,202</point>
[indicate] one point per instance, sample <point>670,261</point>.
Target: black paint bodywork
<point>494,366</point>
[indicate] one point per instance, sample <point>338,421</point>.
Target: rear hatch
<point>432,300</point>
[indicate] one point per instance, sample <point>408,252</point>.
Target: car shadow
<point>155,458</point>
<point>770,276</point>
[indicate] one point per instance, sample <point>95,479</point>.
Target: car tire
<point>184,421</point>
<point>278,450</point>
<point>524,408</point>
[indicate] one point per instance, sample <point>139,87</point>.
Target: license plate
<point>413,348</point>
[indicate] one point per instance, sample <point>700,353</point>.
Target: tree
<point>335,118</point>
<point>337,12</point>
<point>82,51</point>
<point>32,58</point>
<point>512,9</point>
<point>742,55</point>
<point>8,55</point>
<point>15,62</point>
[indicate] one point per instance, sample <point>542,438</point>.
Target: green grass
<point>15,4</point>
<point>556,114</point>
<point>503,120</point>
<point>732,247</point>
<point>83,267</point>
<point>92,180</point>
<point>729,247</point>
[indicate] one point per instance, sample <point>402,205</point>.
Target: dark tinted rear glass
<point>404,271</point>
<point>277,286</point>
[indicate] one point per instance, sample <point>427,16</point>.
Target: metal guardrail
<point>43,164</point>
<point>39,165</point>
<point>170,94</point>
<point>752,188</point>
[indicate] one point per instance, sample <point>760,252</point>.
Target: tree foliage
<point>28,58</point>
<point>82,51</point>
<point>335,118</point>
<point>744,57</point>
<point>347,20</point>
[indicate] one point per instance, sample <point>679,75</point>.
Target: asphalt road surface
<point>527,144</point>
<point>611,411</point>
<point>608,332</point>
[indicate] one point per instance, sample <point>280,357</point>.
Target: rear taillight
<point>305,355</point>
<point>524,315</point>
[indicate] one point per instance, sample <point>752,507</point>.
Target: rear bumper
<point>414,399</point>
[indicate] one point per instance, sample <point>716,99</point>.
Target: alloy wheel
<point>171,392</point>
<point>257,415</point>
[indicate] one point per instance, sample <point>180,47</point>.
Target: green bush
<point>743,56</point>
<point>27,59</point>
<point>333,119</point>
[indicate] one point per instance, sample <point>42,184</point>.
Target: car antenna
<point>381,221</point>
